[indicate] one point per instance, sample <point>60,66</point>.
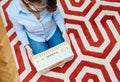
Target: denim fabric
<point>38,47</point>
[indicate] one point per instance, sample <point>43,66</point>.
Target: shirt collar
<point>22,9</point>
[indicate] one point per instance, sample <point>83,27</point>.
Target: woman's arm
<point>61,24</point>
<point>57,16</point>
<point>20,30</point>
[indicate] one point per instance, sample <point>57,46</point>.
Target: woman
<point>38,24</point>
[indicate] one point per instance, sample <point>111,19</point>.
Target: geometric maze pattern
<point>94,31</point>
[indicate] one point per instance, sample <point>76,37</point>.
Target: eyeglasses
<point>37,8</point>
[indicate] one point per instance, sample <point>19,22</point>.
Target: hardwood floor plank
<point>8,70</point>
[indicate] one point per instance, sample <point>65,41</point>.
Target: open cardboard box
<point>53,57</point>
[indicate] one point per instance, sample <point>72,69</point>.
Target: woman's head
<point>51,5</point>
<point>38,5</point>
<point>38,2</point>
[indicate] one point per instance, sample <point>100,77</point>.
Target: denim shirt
<point>26,24</point>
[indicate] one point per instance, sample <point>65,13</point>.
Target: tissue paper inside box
<point>53,57</point>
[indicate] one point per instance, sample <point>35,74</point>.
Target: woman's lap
<point>56,38</point>
<point>38,47</point>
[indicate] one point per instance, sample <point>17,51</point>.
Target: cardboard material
<point>53,57</point>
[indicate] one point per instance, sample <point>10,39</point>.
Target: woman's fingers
<point>66,38</point>
<point>30,53</point>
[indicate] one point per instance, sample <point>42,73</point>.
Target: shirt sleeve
<point>57,16</point>
<point>20,31</point>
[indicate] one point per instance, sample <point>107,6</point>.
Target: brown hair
<point>51,4</point>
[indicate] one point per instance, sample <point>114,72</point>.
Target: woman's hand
<point>65,36</point>
<point>29,52</point>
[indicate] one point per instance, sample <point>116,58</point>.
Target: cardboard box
<point>53,57</point>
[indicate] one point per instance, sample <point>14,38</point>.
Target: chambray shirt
<point>26,24</point>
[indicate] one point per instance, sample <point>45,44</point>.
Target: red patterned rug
<point>94,30</point>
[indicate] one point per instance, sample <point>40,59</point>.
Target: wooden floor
<point>8,71</point>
